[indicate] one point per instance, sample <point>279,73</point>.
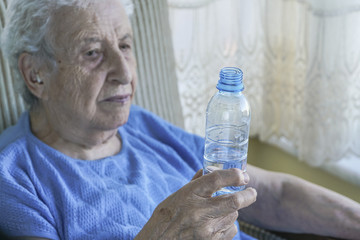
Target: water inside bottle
<point>226,147</point>
<point>210,166</point>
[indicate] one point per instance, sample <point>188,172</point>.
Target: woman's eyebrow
<point>90,40</point>
<point>87,40</point>
<point>126,36</point>
<point>82,42</point>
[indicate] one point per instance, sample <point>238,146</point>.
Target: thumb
<point>197,174</point>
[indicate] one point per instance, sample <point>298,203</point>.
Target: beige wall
<point>272,158</point>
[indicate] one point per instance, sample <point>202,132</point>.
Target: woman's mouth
<point>119,98</point>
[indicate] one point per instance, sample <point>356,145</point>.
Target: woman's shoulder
<point>139,114</point>
<point>143,124</point>
<point>142,121</point>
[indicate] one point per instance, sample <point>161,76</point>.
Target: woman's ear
<point>29,70</point>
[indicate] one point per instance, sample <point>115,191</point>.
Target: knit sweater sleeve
<point>22,211</point>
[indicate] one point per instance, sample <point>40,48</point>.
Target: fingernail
<point>246,178</point>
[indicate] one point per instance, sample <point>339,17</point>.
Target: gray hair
<point>26,26</point>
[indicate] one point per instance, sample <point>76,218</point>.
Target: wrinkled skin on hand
<point>191,212</point>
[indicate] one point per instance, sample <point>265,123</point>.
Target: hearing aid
<point>38,79</point>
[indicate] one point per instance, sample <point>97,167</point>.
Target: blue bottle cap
<point>230,80</point>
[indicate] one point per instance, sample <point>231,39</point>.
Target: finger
<point>229,233</point>
<point>225,204</point>
<point>212,182</point>
<point>226,221</point>
<point>197,174</point>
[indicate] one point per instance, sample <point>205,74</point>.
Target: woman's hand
<point>191,212</point>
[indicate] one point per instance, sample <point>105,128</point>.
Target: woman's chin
<point>116,121</point>
<point>106,119</point>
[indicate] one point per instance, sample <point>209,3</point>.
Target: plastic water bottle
<point>227,126</point>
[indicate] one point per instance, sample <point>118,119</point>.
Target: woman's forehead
<point>73,24</point>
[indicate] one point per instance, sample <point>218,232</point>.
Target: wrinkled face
<point>95,80</point>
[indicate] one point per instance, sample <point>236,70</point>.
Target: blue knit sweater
<point>47,194</point>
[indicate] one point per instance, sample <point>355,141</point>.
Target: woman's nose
<point>119,71</point>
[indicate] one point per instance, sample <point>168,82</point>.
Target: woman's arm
<point>288,203</point>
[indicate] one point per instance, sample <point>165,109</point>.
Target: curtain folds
<point>157,86</point>
<point>301,63</point>
<point>11,104</point>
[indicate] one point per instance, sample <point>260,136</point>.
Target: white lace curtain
<point>301,64</point>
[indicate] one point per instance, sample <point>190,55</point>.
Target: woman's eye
<point>91,53</point>
<point>125,47</point>
<point>93,57</point>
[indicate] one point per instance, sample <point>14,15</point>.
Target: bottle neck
<point>226,93</point>
<point>230,79</point>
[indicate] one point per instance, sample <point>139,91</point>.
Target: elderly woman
<point>83,163</point>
